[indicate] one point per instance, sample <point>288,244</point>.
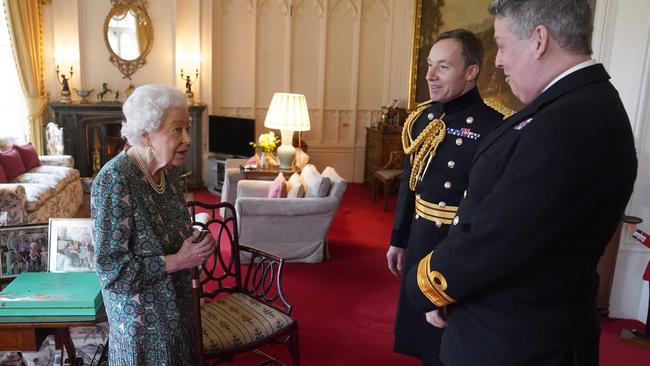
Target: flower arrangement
<point>267,142</point>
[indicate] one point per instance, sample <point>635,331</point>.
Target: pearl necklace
<point>158,187</point>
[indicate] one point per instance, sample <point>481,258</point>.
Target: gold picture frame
<point>431,17</point>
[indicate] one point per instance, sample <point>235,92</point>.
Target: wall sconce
<point>65,88</point>
<point>188,84</point>
<point>287,113</point>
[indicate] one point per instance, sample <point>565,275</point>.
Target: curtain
<point>24,22</point>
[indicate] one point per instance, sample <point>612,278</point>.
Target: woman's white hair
<point>144,109</point>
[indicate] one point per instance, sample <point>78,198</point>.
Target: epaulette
<point>424,103</point>
<point>499,107</point>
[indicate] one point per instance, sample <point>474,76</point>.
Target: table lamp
<point>287,113</point>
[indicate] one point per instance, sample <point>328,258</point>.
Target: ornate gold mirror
<point>128,35</point>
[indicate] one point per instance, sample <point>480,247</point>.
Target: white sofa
<point>50,190</point>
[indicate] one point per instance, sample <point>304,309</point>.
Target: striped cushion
<point>238,320</point>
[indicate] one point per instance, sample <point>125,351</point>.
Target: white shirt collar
<point>575,68</point>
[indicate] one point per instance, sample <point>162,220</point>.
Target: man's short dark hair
<point>570,22</point>
<point>471,46</point>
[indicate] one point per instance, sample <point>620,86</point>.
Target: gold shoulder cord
<point>425,145</point>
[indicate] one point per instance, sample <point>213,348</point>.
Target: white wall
<point>622,43</point>
<point>76,28</point>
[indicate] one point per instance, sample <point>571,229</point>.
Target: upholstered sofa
<point>293,228</point>
<point>50,190</point>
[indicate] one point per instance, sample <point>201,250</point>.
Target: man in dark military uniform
<point>517,272</point>
<point>439,140</point>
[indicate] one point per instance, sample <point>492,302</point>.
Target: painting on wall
<point>434,16</point>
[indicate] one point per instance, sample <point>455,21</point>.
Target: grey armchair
<point>293,228</point>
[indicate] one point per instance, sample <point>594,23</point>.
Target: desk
<point>26,334</point>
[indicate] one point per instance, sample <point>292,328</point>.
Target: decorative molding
<point>604,26</point>
<point>235,111</point>
<point>350,7</point>
<point>225,5</point>
<point>380,5</point>
<point>284,5</point>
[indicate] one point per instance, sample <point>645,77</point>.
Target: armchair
<point>294,228</point>
<point>245,307</point>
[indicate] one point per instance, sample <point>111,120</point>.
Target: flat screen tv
<point>231,135</point>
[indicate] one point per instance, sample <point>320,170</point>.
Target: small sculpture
<point>65,88</point>
<point>82,94</point>
<point>117,96</point>
<point>105,90</point>
<point>129,89</point>
<point>188,84</point>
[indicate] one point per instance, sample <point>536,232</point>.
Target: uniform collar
<point>460,103</point>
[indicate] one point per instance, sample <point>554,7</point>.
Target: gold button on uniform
<point>447,185</point>
<point>438,224</point>
<point>430,116</point>
<point>442,204</point>
<point>465,194</point>
<point>456,220</point>
<point>469,120</point>
<point>417,216</point>
<point>451,164</point>
<point>459,141</point>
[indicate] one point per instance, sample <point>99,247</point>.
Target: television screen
<point>231,135</point>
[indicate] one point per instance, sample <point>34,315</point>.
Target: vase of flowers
<point>265,146</point>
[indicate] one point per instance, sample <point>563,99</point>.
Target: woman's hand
<point>192,253</point>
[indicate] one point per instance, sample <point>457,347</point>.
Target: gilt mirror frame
<point>129,67</point>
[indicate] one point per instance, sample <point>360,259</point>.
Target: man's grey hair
<point>145,108</point>
<point>569,22</point>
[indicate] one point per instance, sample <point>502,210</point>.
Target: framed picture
<point>70,246</point>
<point>434,16</point>
<point>23,248</point>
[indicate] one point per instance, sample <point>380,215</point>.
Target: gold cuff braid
<point>433,284</point>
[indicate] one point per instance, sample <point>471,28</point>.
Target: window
<point>12,101</point>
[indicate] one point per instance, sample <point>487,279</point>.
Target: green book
<point>51,294</point>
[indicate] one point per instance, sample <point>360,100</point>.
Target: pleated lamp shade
<point>288,112</point>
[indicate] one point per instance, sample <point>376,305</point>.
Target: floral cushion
<point>29,156</point>
<point>12,163</point>
<point>238,320</point>
<point>68,174</point>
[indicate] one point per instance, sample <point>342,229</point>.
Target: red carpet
<point>345,306</point>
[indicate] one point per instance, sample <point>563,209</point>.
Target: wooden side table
<point>379,144</point>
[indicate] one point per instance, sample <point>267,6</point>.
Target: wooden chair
<point>388,175</point>
<point>239,308</point>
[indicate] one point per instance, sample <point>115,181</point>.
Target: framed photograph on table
<point>23,248</point>
<point>70,246</point>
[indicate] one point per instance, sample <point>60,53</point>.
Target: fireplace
<point>91,134</point>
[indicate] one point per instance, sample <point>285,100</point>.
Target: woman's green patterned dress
<point>150,312</point>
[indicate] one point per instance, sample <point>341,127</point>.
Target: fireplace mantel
<point>73,118</point>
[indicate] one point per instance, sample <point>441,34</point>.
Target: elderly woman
<point>144,241</point>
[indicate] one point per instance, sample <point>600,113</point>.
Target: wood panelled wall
<point>336,52</point>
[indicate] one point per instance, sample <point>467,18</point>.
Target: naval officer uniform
<point>517,272</point>
<point>439,140</point>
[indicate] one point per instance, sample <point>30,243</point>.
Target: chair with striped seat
<point>239,308</point>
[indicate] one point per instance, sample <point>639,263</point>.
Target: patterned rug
<point>87,340</point>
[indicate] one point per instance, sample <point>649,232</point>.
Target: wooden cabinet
<point>379,144</point>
